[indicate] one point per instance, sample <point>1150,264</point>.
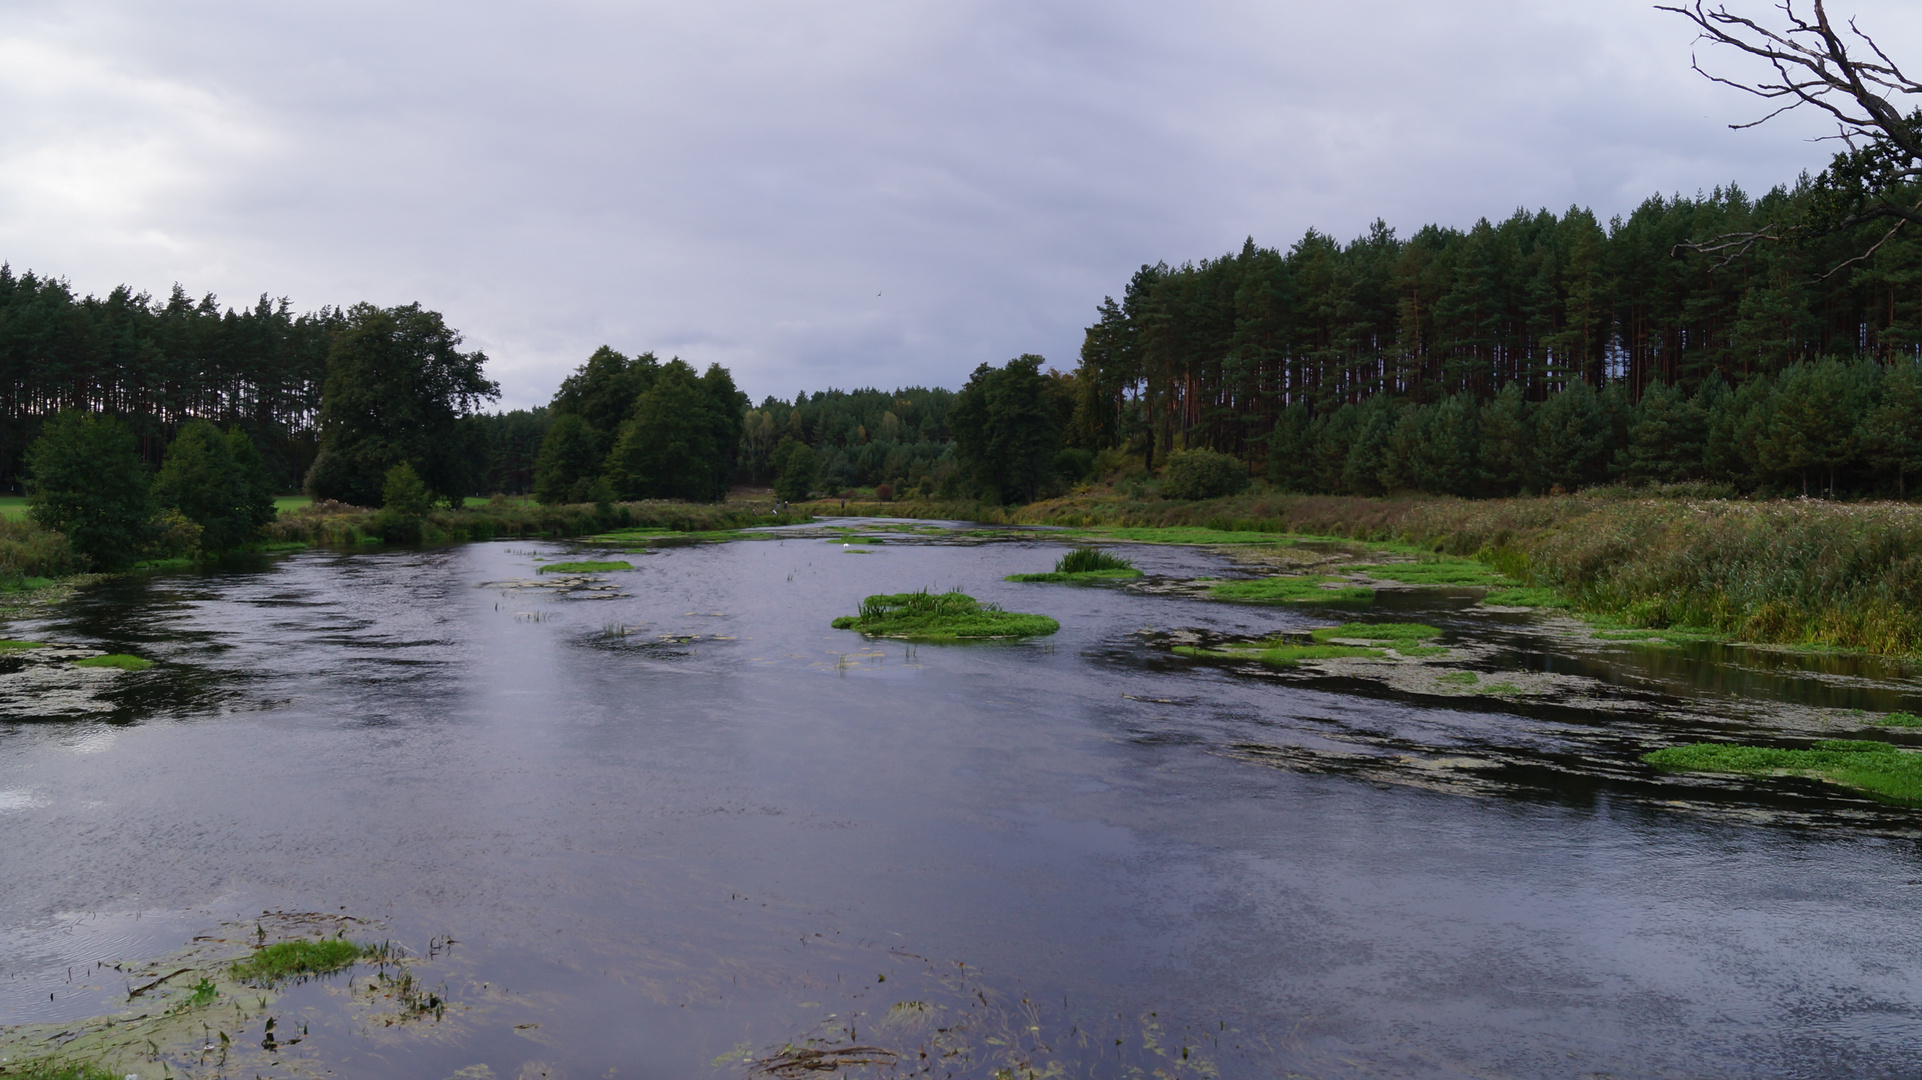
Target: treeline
<point>1232,353</point>
<point>158,364</point>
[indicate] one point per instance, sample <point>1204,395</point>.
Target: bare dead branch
<point>1837,268</point>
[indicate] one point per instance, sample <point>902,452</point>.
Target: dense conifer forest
<point>1537,353</point>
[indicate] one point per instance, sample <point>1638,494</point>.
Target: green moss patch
<point>1293,590</point>
<point>288,959</point>
<point>5,645</point>
<point>1900,719</point>
<point>938,617</point>
<point>115,660</point>
<point>1876,768</point>
<point>1502,689</point>
<point>1459,678</point>
<point>588,567</point>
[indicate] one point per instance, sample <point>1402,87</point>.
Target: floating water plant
<point>287,959</point>
<point>1084,564</point>
<point>949,616</point>
<point>1875,768</point>
<point>1294,590</point>
<point>588,567</point>
<point>115,660</point>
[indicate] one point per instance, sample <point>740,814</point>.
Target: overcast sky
<point>819,194</point>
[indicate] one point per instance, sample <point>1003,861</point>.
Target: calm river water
<point>675,828</point>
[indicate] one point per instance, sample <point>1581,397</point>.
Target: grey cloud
<point>734,182</point>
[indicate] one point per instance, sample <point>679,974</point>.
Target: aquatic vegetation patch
<point>5,645</point>
<point>1313,589</point>
<point>936,617</point>
<point>1377,633</point>
<point>56,1069</point>
<point>1459,678</point>
<point>1085,564</point>
<point>287,959</point>
<point>115,660</point>
<point>1278,652</point>
<point>1502,689</point>
<point>1876,768</point>
<point>1526,596</point>
<point>584,567</point>
<point>1184,534</point>
<point>1901,720</point>
<point>1440,572</point>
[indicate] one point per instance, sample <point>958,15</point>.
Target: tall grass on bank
<point>1846,575</point>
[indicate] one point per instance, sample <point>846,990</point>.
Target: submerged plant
<point>949,616</point>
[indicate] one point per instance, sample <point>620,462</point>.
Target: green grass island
<point>942,617</point>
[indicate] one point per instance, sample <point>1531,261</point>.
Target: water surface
<point>692,821</point>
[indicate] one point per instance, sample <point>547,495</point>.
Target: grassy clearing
<point>287,959</point>
<point>1085,564</point>
<point>1293,590</point>
<point>939,617</point>
<point>13,508</point>
<point>1876,768</point>
<point>1449,572</point>
<point>584,567</point>
<point>115,660</point>
<point>1395,634</point>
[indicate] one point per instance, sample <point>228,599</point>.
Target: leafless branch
<point>1812,67</point>
<point>1833,270</point>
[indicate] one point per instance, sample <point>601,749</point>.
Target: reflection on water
<point>691,828</point>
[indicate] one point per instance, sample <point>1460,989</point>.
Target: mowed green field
<point>13,508</point>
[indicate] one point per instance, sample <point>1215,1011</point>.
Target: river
<point>674,828</point>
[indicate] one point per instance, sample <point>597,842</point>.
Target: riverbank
<point>1792,572</point>
<point>1787,572</point>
